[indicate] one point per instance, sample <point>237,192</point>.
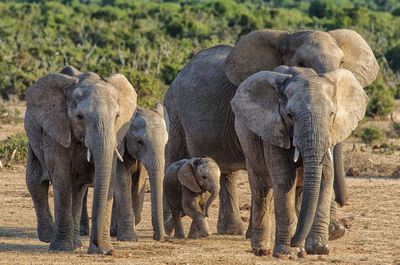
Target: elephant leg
<point>229,221</point>
<point>84,223</point>
<point>339,183</point>
<point>39,192</point>
<point>168,221</point>
<point>123,202</point>
<point>138,189</point>
<point>283,174</point>
<point>77,201</point>
<point>249,227</point>
<point>317,239</point>
<point>336,228</point>
<point>261,195</point>
<point>114,220</point>
<point>64,223</point>
<point>177,223</point>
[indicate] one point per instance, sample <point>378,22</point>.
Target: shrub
<point>381,100</point>
<point>17,141</point>
<point>371,135</point>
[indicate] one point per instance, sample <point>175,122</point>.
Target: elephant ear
<point>127,101</point>
<point>256,105</point>
<point>160,109</point>
<point>186,175</point>
<point>351,103</point>
<point>47,102</point>
<point>257,51</point>
<point>71,71</point>
<point>358,56</point>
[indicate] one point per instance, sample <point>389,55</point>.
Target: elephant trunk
<point>155,169</point>
<point>313,149</point>
<point>214,193</point>
<point>102,149</point>
<point>339,183</point>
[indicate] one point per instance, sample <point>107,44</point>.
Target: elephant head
<point>199,175</point>
<point>146,141</point>
<point>263,50</point>
<point>297,107</point>
<point>77,108</point>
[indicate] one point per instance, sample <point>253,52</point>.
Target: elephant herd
<point>276,104</point>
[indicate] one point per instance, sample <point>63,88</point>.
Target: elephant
<point>144,146</point>
<point>190,187</point>
<point>198,101</point>
<point>143,152</point>
<point>287,121</point>
<point>74,122</point>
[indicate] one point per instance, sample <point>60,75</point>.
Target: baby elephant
<point>190,186</point>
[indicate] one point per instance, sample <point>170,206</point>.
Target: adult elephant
<point>201,119</point>
<point>287,121</point>
<point>74,122</point>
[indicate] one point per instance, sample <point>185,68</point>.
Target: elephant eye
<point>139,141</point>
<point>289,116</point>
<point>80,117</point>
<point>204,177</point>
<point>300,64</point>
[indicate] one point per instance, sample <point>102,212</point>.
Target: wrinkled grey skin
<point>143,155</point>
<point>202,122</point>
<point>190,187</point>
<point>275,114</point>
<point>67,115</point>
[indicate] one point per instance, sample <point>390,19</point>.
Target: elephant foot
<point>127,236</point>
<point>77,243</point>
<point>84,230</point>
<point>45,232</point>
<point>317,245</point>
<point>179,235</point>
<point>284,249</point>
<point>336,230</point>
<point>230,225</point>
<point>261,251</point>
<point>62,246</point>
<point>169,227</point>
<point>106,249</point>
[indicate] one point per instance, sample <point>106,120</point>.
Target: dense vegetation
<point>150,41</point>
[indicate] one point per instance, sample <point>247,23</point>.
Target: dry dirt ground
<point>373,237</point>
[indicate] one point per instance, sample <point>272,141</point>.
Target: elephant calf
<point>190,186</point>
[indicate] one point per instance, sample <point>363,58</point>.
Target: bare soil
<point>373,236</point>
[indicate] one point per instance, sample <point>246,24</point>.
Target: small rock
<point>353,172</point>
<point>302,254</point>
<point>347,221</point>
<point>376,147</point>
<point>279,255</point>
<point>362,149</point>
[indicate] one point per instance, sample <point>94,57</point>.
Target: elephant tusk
<point>118,155</point>
<point>329,154</point>
<point>88,155</point>
<point>296,155</point>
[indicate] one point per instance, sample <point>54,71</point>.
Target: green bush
<point>381,100</point>
<point>17,141</point>
<point>371,135</point>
